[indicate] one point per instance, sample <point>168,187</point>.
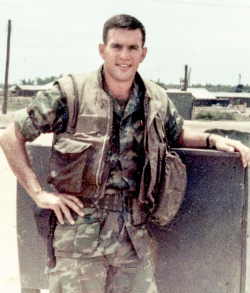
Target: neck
<point>119,90</point>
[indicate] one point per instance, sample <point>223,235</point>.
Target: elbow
<point>3,137</point>
<point>11,134</point>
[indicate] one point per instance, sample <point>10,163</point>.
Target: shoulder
<point>155,91</point>
<point>83,79</point>
<point>80,78</point>
<point>156,96</point>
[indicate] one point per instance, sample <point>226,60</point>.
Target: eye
<point>116,46</point>
<point>133,48</point>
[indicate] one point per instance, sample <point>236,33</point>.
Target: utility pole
<point>4,109</point>
<point>189,77</point>
<point>186,78</point>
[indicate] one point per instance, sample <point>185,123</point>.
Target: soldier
<point>99,162</point>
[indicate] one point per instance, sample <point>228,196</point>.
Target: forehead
<point>124,36</point>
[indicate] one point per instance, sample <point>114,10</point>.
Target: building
<point>29,90</point>
<point>233,98</point>
<point>184,101</point>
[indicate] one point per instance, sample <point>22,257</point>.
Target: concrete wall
<point>183,103</point>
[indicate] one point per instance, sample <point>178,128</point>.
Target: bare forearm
<point>194,139</point>
<point>190,138</point>
<point>13,145</point>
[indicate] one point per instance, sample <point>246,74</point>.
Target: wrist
<point>35,191</point>
<point>210,142</point>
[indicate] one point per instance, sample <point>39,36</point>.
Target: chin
<point>125,78</point>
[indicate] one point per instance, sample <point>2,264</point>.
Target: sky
<point>53,37</point>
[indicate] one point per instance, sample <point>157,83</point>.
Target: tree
<point>39,80</point>
<point>46,80</point>
<point>28,82</point>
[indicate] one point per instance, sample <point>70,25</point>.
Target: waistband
<point>115,202</point>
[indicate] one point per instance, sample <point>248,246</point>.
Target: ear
<point>144,53</point>
<point>101,50</point>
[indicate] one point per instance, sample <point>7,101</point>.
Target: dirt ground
<point>9,272</point>
<point>227,125</point>
<point>9,278</point>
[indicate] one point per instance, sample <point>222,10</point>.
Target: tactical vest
<point>78,162</point>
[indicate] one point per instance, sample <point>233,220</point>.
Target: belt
<point>115,202</point>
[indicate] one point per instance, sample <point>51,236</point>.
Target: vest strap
<point>75,105</point>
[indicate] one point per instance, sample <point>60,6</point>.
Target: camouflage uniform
<point>102,252</point>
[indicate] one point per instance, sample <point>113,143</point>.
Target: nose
<point>125,54</point>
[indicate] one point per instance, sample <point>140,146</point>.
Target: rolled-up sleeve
<point>174,124</point>
<point>47,113</point>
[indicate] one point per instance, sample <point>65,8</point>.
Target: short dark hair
<point>123,21</point>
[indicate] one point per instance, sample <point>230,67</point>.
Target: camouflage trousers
<point>96,258</point>
<point>97,275</point>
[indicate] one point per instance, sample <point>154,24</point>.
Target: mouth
<point>123,65</point>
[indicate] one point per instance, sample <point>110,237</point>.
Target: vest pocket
<point>70,164</point>
<point>171,186</point>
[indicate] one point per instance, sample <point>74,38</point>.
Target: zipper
<point>103,147</point>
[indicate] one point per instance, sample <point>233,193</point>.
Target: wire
<point>206,4</point>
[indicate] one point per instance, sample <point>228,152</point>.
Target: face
<point>122,54</point>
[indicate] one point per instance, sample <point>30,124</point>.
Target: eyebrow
<point>134,46</point>
<point>116,44</point>
<point>120,45</point>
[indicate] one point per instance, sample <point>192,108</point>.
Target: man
<point>101,241</point>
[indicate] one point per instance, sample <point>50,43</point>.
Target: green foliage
<point>39,81</point>
<point>46,80</point>
<point>214,116</point>
<point>28,82</point>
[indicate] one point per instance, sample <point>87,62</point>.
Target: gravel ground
<point>9,272</point>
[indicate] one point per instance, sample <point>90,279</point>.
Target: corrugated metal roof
<point>201,94</point>
<point>34,87</point>
<point>12,88</point>
<point>197,93</point>
<point>231,95</point>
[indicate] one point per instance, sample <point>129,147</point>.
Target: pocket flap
<point>67,145</point>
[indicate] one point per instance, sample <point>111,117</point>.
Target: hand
<point>231,145</point>
<point>60,203</point>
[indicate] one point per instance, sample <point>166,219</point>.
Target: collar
<point>138,80</point>
<point>135,97</point>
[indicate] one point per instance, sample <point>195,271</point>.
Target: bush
<point>214,116</point>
